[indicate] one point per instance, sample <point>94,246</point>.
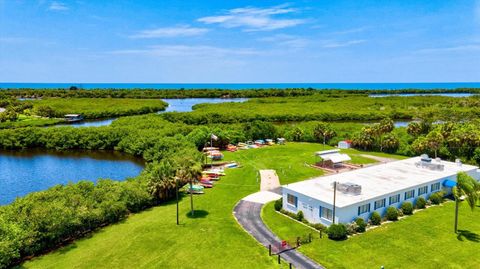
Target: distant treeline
<point>211,93</point>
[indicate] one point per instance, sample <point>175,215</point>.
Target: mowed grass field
<point>213,239</point>
<point>424,240</point>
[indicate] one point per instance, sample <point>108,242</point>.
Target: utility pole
<point>334,199</point>
<point>176,194</point>
<point>191,197</point>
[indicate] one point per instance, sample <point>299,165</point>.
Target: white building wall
<point>311,207</point>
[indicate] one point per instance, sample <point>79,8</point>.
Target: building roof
<point>333,155</point>
<point>376,181</point>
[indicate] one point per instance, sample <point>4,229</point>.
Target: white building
<point>344,144</point>
<point>375,188</point>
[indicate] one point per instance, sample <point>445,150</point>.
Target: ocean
<point>241,86</point>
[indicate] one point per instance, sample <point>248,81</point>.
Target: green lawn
<point>214,240</point>
<point>424,240</point>
<point>29,121</point>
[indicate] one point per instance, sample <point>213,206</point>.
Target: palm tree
<point>189,170</point>
<point>323,131</point>
<point>468,188</point>
<point>160,179</point>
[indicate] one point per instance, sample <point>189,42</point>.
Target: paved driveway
<point>248,213</point>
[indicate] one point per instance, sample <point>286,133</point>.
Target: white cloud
<point>182,30</point>
<point>287,41</point>
<point>343,44</point>
<point>460,48</point>
<point>255,19</point>
<point>188,51</point>
<point>57,6</point>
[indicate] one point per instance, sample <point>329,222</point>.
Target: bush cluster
<point>392,213</point>
<point>407,208</point>
<point>278,204</point>
<point>375,218</point>
<point>436,198</point>
<point>317,226</point>
<point>337,232</point>
<point>361,225</point>
<point>420,202</point>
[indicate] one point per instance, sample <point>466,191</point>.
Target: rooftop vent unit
<point>430,166</point>
<point>458,162</point>
<point>425,158</point>
<point>349,188</point>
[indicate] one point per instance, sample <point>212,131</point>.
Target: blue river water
<point>240,86</point>
<point>174,105</point>
<point>23,172</point>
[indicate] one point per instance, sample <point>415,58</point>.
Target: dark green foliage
<point>420,202</point>
<point>278,204</point>
<point>259,130</point>
<point>299,216</point>
<point>44,111</point>
<point>407,208</point>
<point>436,198</point>
<point>392,213</point>
<point>337,232</point>
<point>361,225</point>
<point>323,132</point>
<point>476,156</point>
<point>375,218</point>
<point>42,220</point>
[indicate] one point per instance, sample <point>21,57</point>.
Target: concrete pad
<point>262,197</point>
<point>269,180</point>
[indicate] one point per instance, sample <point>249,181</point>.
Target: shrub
<point>299,215</point>
<point>407,208</point>
<point>278,204</point>
<point>436,198</point>
<point>420,203</point>
<point>337,232</point>
<point>375,218</point>
<point>319,226</point>
<point>392,213</point>
<point>361,225</point>
<point>351,228</point>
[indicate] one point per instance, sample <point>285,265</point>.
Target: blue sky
<point>225,41</point>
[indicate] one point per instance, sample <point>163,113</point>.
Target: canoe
<point>195,189</point>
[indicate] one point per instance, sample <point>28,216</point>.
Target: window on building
<point>409,194</point>
<point>326,213</point>
<point>363,209</point>
<point>292,200</point>
<point>422,190</point>
<point>435,186</point>
<point>379,204</point>
<point>394,199</point>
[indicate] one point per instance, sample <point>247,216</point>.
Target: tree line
<point>211,93</point>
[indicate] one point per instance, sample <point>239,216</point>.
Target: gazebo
<point>332,158</point>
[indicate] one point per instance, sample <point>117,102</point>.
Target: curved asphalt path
<point>248,213</point>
